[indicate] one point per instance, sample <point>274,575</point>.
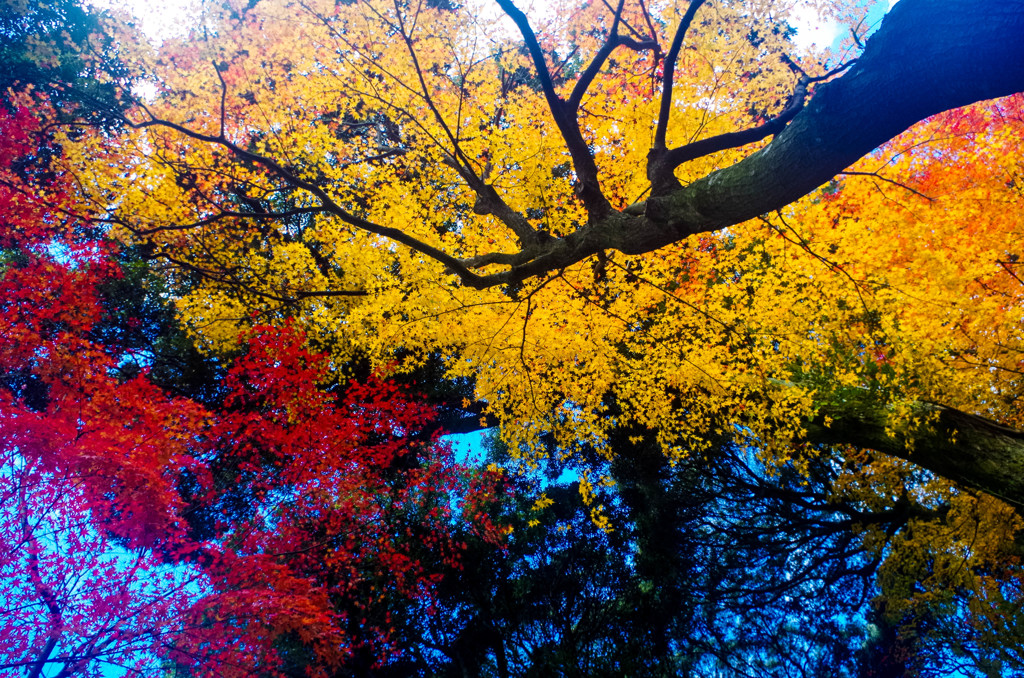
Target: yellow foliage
<point>899,277</point>
<point>898,282</point>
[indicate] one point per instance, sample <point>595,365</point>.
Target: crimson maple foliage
<point>90,513</point>
<point>346,501</point>
<point>140,529</point>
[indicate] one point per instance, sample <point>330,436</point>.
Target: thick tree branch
<point>972,451</point>
<point>488,201</point>
<point>594,67</point>
<point>660,168</point>
<point>670,70</point>
<point>660,172</point>
<point>925,59</point>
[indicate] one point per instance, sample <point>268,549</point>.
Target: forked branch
<point>662,165</point>
<point>594,67</point>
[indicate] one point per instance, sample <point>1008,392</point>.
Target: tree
<point>363,168</point>
<point>378,123</point>
<point>144,531</point>
<point>714,566</point>
<point>90,523</point>
<point>60,53</point>
<point>76,600</point>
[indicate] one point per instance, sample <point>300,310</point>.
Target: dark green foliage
<point>57,53</point>
<point>713,568</point>
<point>140,325</point>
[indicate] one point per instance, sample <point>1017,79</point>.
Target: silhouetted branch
<point>588,188</point>
<point>670,69</point>
<point>876,175</point>
<point>698,149</point>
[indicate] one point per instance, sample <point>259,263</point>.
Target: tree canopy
<point>630,236</point>
<point>365,168</point>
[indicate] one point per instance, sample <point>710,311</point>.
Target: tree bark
<point>927,57</point>
<point>969,450</point>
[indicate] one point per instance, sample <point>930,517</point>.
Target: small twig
<point>1006,267</point>
<point>223,97</point>
<point>876,175</point>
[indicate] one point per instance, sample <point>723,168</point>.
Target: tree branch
<point>970,450</point>
<point>876,175</point>
<point>589,189</point>
<point>594,67</point>
<point>661,174</point>
<point>45,594</point>
<point>223,97</point>
<point>488,201</point>
<point>328,204</point>
<point>670,69</point>
<point>697,149</point>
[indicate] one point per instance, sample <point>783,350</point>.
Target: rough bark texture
<point>969,450</point>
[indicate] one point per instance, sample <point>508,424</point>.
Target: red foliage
<point>330,513</point>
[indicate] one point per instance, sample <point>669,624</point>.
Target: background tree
<point>716,565</point>
<point>143,529</point>
<point>78,601</point>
